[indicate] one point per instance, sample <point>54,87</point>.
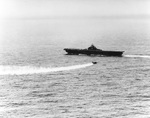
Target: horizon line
<point>80,17</point>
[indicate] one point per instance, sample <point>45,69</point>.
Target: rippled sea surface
<point>37,79</point>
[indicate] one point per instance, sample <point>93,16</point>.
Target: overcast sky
<point>71,8</point>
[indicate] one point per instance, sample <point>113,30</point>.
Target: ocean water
<point>37,79</point>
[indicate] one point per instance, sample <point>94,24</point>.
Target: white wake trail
<point>137,56</point>
<point>25,70</point>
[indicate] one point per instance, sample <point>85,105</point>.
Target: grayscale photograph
<point>74,58</point>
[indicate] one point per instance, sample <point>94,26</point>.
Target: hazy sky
<point>69,8</point>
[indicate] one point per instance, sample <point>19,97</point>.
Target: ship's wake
<point>138,56</point>
<point>27,70</point>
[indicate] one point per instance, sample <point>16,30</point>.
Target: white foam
<point>24,70</point>
<point>138,56</point>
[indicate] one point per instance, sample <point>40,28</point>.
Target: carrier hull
<point>93,52</point>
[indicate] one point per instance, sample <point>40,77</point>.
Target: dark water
<point>37,79</point>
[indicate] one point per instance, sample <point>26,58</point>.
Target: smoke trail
<point>24,70</point>
<point>138,56</point>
